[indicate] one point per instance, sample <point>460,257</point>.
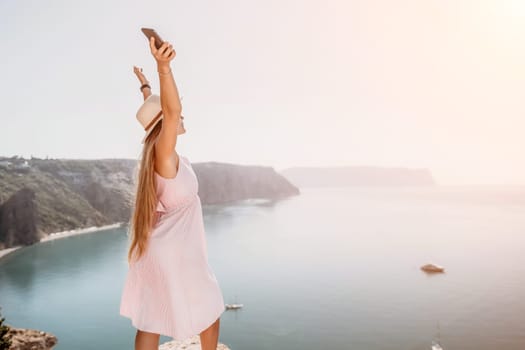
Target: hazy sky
<point>437,84</point>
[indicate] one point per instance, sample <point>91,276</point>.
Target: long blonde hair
<point>143,216</point>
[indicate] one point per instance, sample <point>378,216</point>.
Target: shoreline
<point>63,234</point>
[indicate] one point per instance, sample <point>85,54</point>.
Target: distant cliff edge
<point>357,176</point>
<point>41,196</point>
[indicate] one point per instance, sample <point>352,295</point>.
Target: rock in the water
<point>30,339</point>
<point>193,343</point>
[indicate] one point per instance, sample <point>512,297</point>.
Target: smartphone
<point>150,32</point>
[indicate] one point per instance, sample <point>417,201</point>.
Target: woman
<point>170,289</point>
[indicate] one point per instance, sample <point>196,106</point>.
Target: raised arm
<point>169,100</point>
<point>146,90</point>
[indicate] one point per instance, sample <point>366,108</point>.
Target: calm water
<point>333,268</point>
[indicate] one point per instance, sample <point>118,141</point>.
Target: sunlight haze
<point>410,83</point>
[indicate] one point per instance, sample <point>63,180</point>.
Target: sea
<point>331,268</point>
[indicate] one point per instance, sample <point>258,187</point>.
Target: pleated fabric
<point>172,289</point>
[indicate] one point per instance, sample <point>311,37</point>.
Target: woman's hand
<point>137,70</point>
<point>140,75</point>
<point>164,54</point>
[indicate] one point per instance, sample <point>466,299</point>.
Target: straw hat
<point>149,114</point>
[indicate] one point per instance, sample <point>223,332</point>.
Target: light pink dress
<point>172,290</point>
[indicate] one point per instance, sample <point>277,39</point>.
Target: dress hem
<point>164,333</point>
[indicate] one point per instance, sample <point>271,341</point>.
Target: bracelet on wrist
<point>144,85</point>
<point>164,73</point>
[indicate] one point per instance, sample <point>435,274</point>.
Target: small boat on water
<point>432,268</point>
<point>234,306</point>
<point>435,343</point>
<point>436,346</point>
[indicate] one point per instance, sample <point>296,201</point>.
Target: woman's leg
<point>210,336</point>
<point>146,340</point>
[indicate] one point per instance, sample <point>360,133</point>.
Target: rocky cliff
<point>41,196</point>
<point>223,182</point>
<point>18,219</point>
<point>30,339</point>
<point>357,176</point>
